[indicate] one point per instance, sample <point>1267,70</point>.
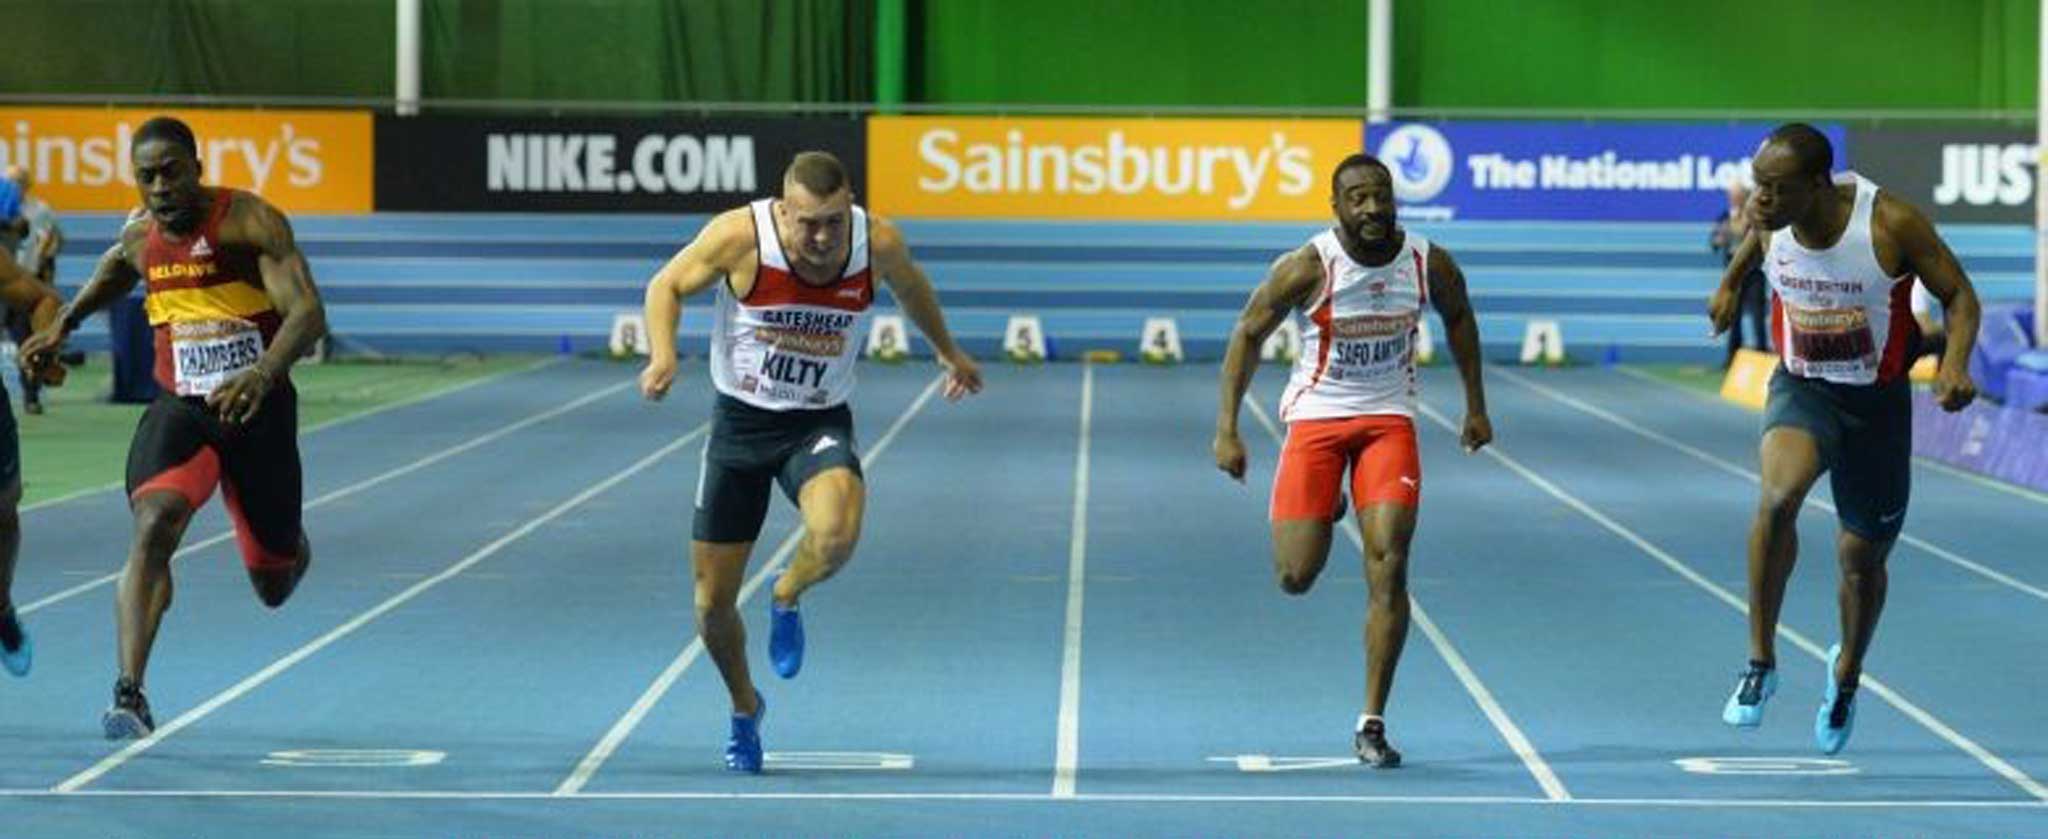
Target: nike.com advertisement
<point>637,164</point>
<point>1568,171</point>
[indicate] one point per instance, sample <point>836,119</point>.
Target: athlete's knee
<point>1779,504</point>
<point>832,520</point>
<point>1295,577</point>
<point>1862,563</point>
<point>834,540</point>
<point>273,589</point>
<point>711,612</point>
<point>711,593</point>
<point>714,597</point>
<point>1867,579</point>
<point>1296,582</point>
<point>1299,550</point>
<point>276,577</point>
<point>714,601</point>
<point>718,617</point>
<point>1386,575</point>
<point>160,521</point>
<point>1861,574</point>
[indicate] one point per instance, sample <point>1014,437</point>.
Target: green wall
<point>213,47</point>
<point>717,50</point>
<point>1153,52</point>
<point>1570,54</point>
<point>702,50</point>
<point>1718,54</point>
<point>1561,54</point>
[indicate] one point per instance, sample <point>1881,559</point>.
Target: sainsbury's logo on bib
<point>828,345</point>
<point>1372,326</point>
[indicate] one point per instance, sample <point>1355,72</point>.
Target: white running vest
<point>1358,335</point>
<point>1835,315</point>
<point>788,344</point>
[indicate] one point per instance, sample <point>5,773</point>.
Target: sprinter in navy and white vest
<point>1841,255</point>
<point>798,277</point>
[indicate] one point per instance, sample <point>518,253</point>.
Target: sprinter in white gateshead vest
<point>794,278</point>
<point>789,344</point>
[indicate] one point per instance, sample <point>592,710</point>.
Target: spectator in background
<point>36,253</point>
<point>12,225</point>
<point>1729,228</point>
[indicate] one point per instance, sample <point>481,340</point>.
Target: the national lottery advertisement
<point>1568,170</point>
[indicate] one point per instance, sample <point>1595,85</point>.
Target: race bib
<point>1831,340</point>
<point>1370,345</point>
<point>205,354</point>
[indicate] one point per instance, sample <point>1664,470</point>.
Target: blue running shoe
<point>128,718</point>
<point>785,638</point>
<point>1745,708</point>
<point>17,649</point>
<point>1837,715</point>
<point>743,751</point>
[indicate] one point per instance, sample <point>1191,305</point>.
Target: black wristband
<point>71,321</point>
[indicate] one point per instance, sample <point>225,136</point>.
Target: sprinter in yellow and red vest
<point>232,304</point>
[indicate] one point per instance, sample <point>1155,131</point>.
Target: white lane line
<point>1553,786</point>
<point>1936,465</point>
<point>615,737</point>
<point>351,489</point>
<point>322,426</point>
<point>257,679</point>
<point>1067,756</point>
<point>1871,683</point>
<point>1036,798</point>
<point>1710,459</point>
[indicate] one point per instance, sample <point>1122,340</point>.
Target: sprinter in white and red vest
<point>1359,290</point>
<point>1841,255</point>
<point>795,276</point>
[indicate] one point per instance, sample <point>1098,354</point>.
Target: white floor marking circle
<point>1766,766</point>
<point>359,758</point>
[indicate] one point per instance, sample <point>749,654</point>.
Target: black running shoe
<point>128,718</point>
<point>1370,742</point>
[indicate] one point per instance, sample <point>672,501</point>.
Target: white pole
<point>408,86</point>
<point>1379,58</point>
<point>2040,194</point>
